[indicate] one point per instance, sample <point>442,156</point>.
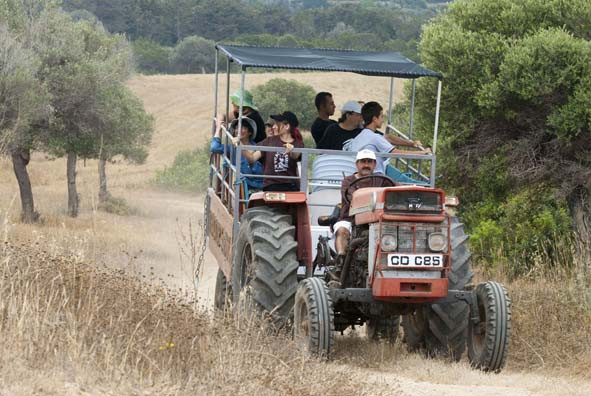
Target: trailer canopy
<point>390,64</point>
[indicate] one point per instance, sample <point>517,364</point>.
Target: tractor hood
<point>402,203</point>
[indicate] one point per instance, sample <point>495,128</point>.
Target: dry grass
<point>107,332</point>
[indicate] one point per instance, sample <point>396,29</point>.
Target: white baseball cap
<point>365,154</point>
<point>351,105</point>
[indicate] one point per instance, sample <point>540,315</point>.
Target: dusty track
<point>151,241</point>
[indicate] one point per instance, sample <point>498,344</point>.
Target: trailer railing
<point>226,177</point>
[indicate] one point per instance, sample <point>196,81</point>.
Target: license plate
<point>415,260</point>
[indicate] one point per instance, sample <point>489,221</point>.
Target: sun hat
<point>248,100</point>
<point>365,154</point>
<point>248,123</point>
<point>351,106</point>
<point>287,116</point>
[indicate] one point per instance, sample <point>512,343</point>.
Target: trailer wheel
<point>488,340</point>
<point>264,265</point>
<point>313,323</point>
<point>445,327</point>
<point>223,292</point>
<point>385,328</point>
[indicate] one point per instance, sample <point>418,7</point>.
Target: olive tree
<point>125,129</point>
<point>23,104</point>
<point>279,94</point>
<point>78,60</point>
<point>515,113</point>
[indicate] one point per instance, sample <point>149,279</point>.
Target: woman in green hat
<point>250,110</point>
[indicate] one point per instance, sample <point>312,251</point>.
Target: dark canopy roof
<point>369,63</point>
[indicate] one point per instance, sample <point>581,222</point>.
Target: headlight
<point>437,242</point>
<point>389,243</point>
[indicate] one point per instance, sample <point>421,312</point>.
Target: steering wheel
<point>378,180</point>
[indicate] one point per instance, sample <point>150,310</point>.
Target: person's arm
<point>288,149</point>
<point>399,141</point>
<point>398,151</point>
<point>216,145</point>
<point>252,156</point>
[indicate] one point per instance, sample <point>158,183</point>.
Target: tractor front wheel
<point>313,322</point>
<point>488,340</point>
<point>440,329</point>
<point>223,292</point>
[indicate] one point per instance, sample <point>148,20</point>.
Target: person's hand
<point>427,150</point>
<point>417,144</point>
<point>235,140</point>
<point>288,147</point>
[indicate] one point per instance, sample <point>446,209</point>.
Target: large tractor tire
<point>313,322</point>
<point>384,328</point>
<point>264,266</point>
<point>223,292</point>
<point>442,329</point>
<point>488,340</point>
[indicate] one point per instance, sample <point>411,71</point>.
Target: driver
<point>366,164</point>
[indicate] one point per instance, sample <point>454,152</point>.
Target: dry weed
<point>105,330</point>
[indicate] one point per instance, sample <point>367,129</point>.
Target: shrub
<point>150,57</point>
<point>193,54</point>
<point>188,172</point>
<point>279,94</point>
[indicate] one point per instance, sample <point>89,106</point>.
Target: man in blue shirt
<point>368,138</point>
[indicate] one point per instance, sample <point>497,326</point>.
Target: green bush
<point>150,57</point>
<point>278,95</point>
<point>193,54</point>
<point>521,230</point>
<point>188,172</point>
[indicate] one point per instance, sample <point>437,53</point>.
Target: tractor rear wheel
<point>313,322</point>
<point>264,265</point>
<point>441,329</point>
<point>488,340</point>
<point>223,292</point>
<point>385,328</point>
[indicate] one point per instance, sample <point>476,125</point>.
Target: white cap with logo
<point>351,105</point>
<point>365,154</point>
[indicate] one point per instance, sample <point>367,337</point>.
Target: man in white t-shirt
<point>373,116</point>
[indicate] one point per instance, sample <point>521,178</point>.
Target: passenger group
<point>356,130</point>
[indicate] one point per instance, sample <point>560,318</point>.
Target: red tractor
<point>407,263</point>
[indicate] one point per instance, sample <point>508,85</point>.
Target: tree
<point>77,61</point>
<point>278,95</point>
<point>125,129</point>
<point>23,103</point>
<point>150,57</point>
<point>193,55</point>
<point>515,115</point>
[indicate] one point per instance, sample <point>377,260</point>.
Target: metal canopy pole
<point>237,176</point>
<point>215,97</point>
<point>412,109</point>
<point>390,101</point>
<point>228,90</point>
<point>437,107</point>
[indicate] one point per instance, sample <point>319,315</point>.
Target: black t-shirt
<point>319,127</point>
<point>280,163</point>
<point>335,137</point>
<point>256,117</point>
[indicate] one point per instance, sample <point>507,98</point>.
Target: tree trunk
<point>73,198</point>
<point>580,209</point>
<point>103,192</point>
<point>20,160</point>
